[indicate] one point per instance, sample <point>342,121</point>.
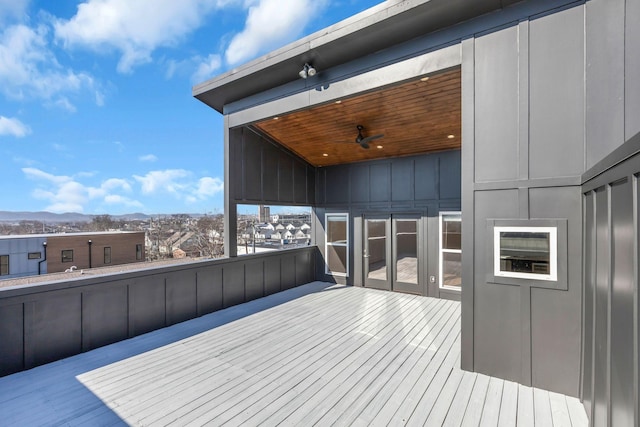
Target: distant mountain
<point>6,216</point>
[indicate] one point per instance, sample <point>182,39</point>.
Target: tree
<point>104,223</point>
<point>208,236</point>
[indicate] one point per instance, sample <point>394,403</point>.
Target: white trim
<point>326,243</point>
<point>553,253</point>
<point>441,250</point>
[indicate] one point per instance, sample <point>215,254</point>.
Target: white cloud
<point>270,25</point>
<point>180,184</point>
<point>13,126</point>
<point>116,199</point>
<point>12,9</point>
<point>208,186</point>
<point>67,194</point>
<point>133,28</point>
<point>65,104</point>
<point>208,66</point>
<point>148,158</point>
<point>163,181</point>
<point>30,70</point>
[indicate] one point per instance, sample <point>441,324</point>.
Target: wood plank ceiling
<point>416,117</point>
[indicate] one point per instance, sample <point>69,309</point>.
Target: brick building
<point>28,255</point>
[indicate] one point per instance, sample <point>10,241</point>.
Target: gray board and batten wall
<point>544,100</point>
<point>523,154</point>
<point>549,88</point>
<point>611,303</point>
<point>47,322</point>
<point>421,186</point>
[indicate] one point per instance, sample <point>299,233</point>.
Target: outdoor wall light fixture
<point>307,71</point>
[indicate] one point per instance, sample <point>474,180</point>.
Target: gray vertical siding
<point>419,185</point>
<point>604,89</point>
<point>43,323</point>
<point>550,96</point>
<point>264,172</point>
<point>496,67</point>
<point>550,88</point>
<point>525,102</point>
<point>632,67</point>
<point>611,303</point>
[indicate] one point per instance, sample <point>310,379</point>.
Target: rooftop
<point>366,33</point>
<point>318,353</point>
<point>80,233</point>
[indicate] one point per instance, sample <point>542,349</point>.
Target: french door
<point>392,252</point>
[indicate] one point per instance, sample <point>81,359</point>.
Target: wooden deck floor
<point>313,355</point>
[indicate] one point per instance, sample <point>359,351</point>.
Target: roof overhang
<point>378,28</point>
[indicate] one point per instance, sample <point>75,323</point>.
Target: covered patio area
<point>317,354</point>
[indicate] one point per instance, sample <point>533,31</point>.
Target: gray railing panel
<point>50,321</point>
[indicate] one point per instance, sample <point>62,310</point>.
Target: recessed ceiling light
<point>276,118</point>
<point>378,146</point>
<point>424,79</point>
<point>325,155</point>
<point>338,102</point>
<point>451,136</point>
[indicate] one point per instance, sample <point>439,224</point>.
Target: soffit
<point>415,117</point>
<point>371,31</point>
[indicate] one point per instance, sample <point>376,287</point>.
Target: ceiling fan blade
<point>371,138</point>
<point>364,144</point>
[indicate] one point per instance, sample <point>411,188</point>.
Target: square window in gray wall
<point>527,252</point>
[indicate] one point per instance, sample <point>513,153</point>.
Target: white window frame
<point>327,243</point>
<point>442,251</point>
<point>553,253</point>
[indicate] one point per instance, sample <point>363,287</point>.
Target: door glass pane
<point>337,229</point>
<point>377,249</point>
<point>451,269</point>
<point>337,259</point>
<point>407,251</point>
<point>451,232</point>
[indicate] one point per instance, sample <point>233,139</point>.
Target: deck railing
<point>53,320</point>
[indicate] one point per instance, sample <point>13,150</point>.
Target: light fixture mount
<point>307,71</point>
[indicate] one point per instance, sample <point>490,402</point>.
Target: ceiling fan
<point>364,140</point>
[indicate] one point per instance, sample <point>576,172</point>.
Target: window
<point>450,250</point>
<point>138,251</point>
<point>67,255</point>
<point>4,265</point>
<point>262,228</point>
<point>337,244</point>
<point>34,255</point>
<point>526,252</point>
<point>107,255</point>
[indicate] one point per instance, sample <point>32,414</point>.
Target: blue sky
<point>96,112</point>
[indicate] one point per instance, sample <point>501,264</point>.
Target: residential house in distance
<point>33,254</point>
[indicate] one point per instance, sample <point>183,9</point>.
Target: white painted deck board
<point>493,398</point>
<point>477,400</point>
<point>314,355</point>
<point>365,401</point>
